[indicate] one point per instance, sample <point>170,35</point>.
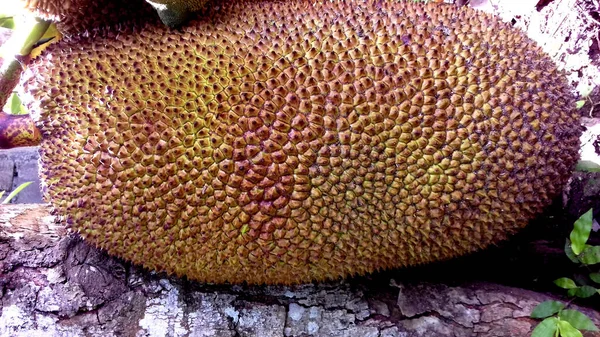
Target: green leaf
<point>567,330</point>
<point>590,255</point>
<point>581,232</point>
<point>583,291</point>
<point>569,252</point>
<point>15,192</point>
<point>546,328</point>
<point>579,104</point>
<point>2,193</point>
<point>7,22</point>
<point>15,104</point>
<point>245,229</point>
<point>595,277</point>
<point>547,309</point>
<point>587,166</point>
<point>565,283</point>
<point>578,320</point>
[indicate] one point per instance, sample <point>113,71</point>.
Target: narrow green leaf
<point>547,309</point>
<point>245,229</point>
<point>595,277</point>
<point>578,320</point>
<point>569,252</point>
<point>565,283</point>
<point>1,194</point>
<point>579,104</point>
<point>587,166</point>
<point>590,255</point>
<point>546,328</point>
<point>567,330</point>
<point>15,192</point>
<point>9,23</point>
<point>581,232</point>
<point>584,291</point>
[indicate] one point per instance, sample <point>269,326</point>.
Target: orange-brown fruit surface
<point>17,131</point>
<point>291,141</point>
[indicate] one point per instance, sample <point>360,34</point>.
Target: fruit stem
<point>19,46</point>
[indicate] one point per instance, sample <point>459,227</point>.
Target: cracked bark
<point>54,284</point>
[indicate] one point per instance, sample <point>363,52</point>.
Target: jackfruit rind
<point>285,142</point>
<point>81,16</point>
<point>17,131</point>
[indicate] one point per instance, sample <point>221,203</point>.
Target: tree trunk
<point>54,284</point>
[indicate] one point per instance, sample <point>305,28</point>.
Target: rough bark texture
<point>54,284</point>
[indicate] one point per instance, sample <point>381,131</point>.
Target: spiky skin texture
<point>18,130</point>
<point>285,142</point>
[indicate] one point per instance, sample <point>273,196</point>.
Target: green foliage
<point>587,166</point>
<point>585,96</point>
<point>567,330</point>
<point>569,252</point>
<point>581,232</point>
<point>578,320</point>
<point>583,291</point>
<point>14,193</point>
<point>558,320</point>
<point>565,283</point>
<point>14,105</point>
<point>590,255</point>
<point>547,328</point>
<point>595,277</point>
<point>547,309</point>
<point>9,22</point>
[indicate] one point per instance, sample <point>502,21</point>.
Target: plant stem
<point>9,78</point>
<point>20,44</point>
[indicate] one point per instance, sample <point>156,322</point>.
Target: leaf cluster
<point>557,319</point>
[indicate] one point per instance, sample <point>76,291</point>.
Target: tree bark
<point>54,284</point>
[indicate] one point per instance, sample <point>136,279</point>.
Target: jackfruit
<point>292,141</point>
<point>17,131</point>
